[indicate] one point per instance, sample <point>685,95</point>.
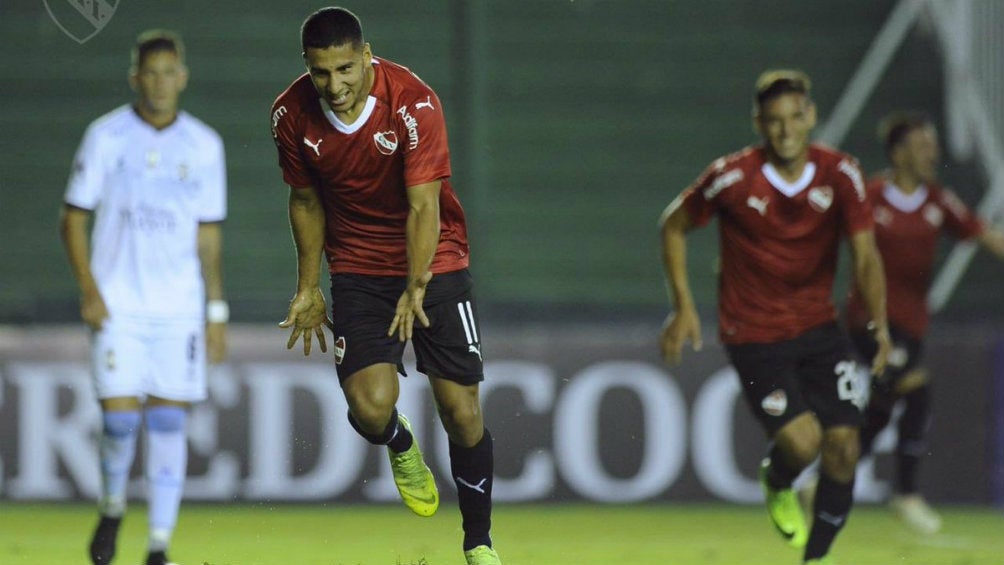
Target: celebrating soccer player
<point>782,208</point>
<point>362,146</point>
<point>911,211</point>
<point>155,179</point>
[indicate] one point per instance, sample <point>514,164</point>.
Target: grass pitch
<point>572,534</point>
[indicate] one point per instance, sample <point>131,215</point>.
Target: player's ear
<point>182,77</point>
<point>811,115</point>
<point>757,128</point>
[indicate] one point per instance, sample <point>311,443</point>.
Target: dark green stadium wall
<point>572,125</point>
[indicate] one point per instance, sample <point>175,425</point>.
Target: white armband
<point>217,312</point>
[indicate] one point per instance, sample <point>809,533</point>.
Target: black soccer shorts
<point>363,307</point>
<point>813,371</point>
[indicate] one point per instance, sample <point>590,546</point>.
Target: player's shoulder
<point>113,123</point>
<point>827,157</point>
<point>401,83</point>
<point>296,96</point>
<point>746,159</point>
<point>199,130</point>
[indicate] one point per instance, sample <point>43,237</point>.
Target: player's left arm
<point>422,233</point>
<point>210,243</point>
<point>869,275</point>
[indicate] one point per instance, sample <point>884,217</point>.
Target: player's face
<point>785,122</point>
<point>159,81</point>
<point>342,76</point>
<point>920,155</point>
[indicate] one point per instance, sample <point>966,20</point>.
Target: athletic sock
<point>876,419</point>
<point>912,442</point>
<point>473,469</point>
<point>167,461</point>
<point>780,475</point>
<point>394,435</point>
<point>832,506</point>
<point>117,450</point>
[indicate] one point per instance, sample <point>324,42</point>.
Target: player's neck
<point>905,182</point>
<point>157,120</point>
<point>790,170</point>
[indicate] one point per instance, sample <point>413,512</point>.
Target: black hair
<point>154,40</point>
<point>894,128</point>
<point>331,26</point>
<point>774,83</point>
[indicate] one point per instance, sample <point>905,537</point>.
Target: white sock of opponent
<point>166,464</point>
<point>117,450</point>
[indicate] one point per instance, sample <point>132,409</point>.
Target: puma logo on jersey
<point>426,104</point>
<point>314,146</point>
<point>474,349</point>
<point>478,487</point>
<point>758,204</point>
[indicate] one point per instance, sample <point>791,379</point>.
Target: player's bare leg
<point>372,394</point>
<point>471,463</point>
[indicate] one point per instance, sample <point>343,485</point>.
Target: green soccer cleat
<point>482,555</point>
<point>784,510</point>
<point>413,478</point>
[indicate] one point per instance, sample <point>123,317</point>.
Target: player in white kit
<point>154,179</point>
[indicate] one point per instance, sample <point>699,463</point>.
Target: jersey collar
<point>789,189</point>
<point>902,201</point>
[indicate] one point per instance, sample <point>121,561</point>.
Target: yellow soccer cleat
<point>482,555</point>
<point>413,478</point>
<point>785,512</point>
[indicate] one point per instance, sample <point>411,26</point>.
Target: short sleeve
<point>701,197</point>
<point>855,204</point>
<point>214,183</point>
<point>960,222</point>
<point>85,186</point>
<point>294,170</point>
<point>426,149</point>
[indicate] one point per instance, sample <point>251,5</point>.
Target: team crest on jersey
<point>820,198</point>
<point>81,20</point>
<point>883,216</point>
<point>775,403</point>
<point>933,215</point>
<point>339,349</point>
<point>386,142</point>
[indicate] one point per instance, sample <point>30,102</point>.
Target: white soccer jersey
<point>149,190</point>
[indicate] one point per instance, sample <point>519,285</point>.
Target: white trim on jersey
<point>902,201</point>
<point>789,189</point>
<point>354,126</point>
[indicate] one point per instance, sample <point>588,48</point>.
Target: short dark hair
<point>154,40</point>
<point>894,128</point>
<point>775,82</point>
<point>331,26</point>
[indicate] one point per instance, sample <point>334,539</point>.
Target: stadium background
<point>572,125</point>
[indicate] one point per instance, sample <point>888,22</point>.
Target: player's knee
<point>462,421</point>
<point>166,419</point>
<point>840,453</point>
<point>120,424</point>
<point>800,440</point>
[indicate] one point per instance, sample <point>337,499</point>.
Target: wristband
<point>217,312</point>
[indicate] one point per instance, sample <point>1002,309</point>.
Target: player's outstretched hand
<point>882,354</point>
<point>307,314</point>
<point>409,309</point>
<point>680,327</point>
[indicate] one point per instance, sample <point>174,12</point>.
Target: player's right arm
<point>73,224</point>
<point>683,323</point>
<point>307,311</point>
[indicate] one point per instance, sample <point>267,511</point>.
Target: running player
<point>782,208</point>
<point>362,146</point>
<point>911,212</point>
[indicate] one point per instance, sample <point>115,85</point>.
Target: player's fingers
<point>321,340</point>
<point>293,335</point>
<point>393,325</point>
<point>306,342</point>
<point>287,322</point>
<point>329,323</point>
<point>422,318</point>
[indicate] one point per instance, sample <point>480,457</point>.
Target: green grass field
<point>575,534</point>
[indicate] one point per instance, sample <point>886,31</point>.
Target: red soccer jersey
<point>362,170</point>
<point>907,227</point>
<point>779,241</point>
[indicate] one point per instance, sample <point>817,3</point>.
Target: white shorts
<point>166,359</point>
